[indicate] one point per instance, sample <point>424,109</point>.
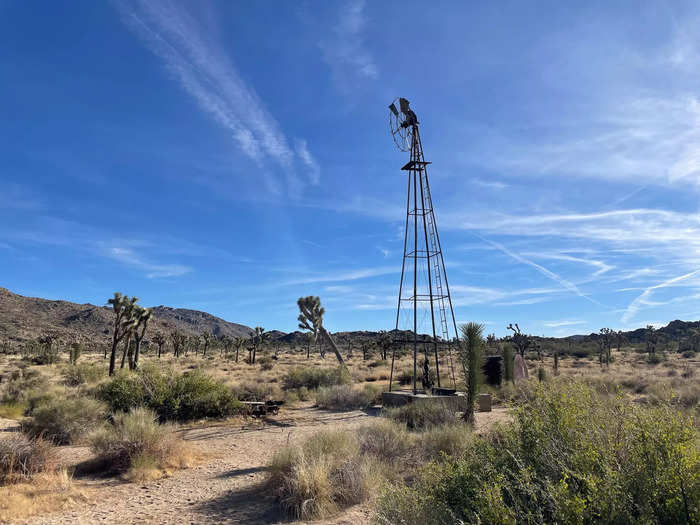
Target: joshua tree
<point>178,340</point>
<point>143,316</point>
<point>652,340</point>
<point>521,341</point>
<point>238,343</point>
<point>620,337</point>
<point>159,339</point>
<point>470,357</point>
<point>308,339</point>
<point>385,343</point>
<point>207,337</point>
<point>122,307</point>
<point>75,350</point>
<point>311,318</point>
<point>256,341</point>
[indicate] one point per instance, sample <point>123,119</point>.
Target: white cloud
<point>205,71</point>
<point>344,49</point>
<point>314,171</point>
<point>559,324</point>
<point>348,275</point>
<point>128,257</point>
<point>644,299</point>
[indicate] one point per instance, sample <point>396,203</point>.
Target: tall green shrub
<point>470,356</point>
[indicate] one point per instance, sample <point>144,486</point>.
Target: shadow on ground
<point>250,505</point>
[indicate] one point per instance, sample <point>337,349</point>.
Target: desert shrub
<point>570,456</point>
<point>252,391</point>
<point>195,395</point>
<point>447,441</point>
<point>75,375</point>
<point>493,370</point>
<point>266,362</point>
<point>321,476</point>
<point>419,416</point>
<point>192,395</point>
<point>656,358</point>
<point>378,362</point>
<point>689,354</point>
<point>385,440</point>
<point>65,420</point>
<point>345,397</point>
<point>22,457</point>
<point>313,378</point>
<point>135,441</point>
<point>22,383</point>
<point>12,409</point>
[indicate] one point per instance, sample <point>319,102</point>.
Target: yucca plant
<point>470,356</point>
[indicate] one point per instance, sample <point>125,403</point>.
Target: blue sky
<point>233,156</point>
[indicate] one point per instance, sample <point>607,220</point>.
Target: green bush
<point>65,420</point>
<point>419,416</point>
<point>313,378</point>
<point>192,395</point>
<point>570,456</point>
<point>75,375</point>
<point>266,362</point>
<point>22,457</point>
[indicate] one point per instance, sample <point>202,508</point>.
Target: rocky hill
<point>24,318</point>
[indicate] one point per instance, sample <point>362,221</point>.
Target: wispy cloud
<point>128,257</point>
<point>645,297</point>
<point>314,171</point>
<point>344,49</point>
<point>347,275</point>
<point>206,72</point>
<point>544,271</point>
<point>558,324</point>
<point>490,184</point>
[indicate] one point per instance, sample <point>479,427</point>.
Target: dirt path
<point>226,488</point>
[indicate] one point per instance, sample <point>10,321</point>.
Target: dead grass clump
<point>385,440</point>
<point>12,409</point>
<point>43,493</point>
<point>22,457</point>
<point>83,373</point>
<point>313,378</point>
<point>450,441</point>
<point>345,397</point>
<point>138,446</point>
<point>256,391</point>
<point>322,476</point>
<point>421,416</point>
<point>64,420</point>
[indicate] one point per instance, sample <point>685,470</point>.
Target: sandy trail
<point>228,487</point>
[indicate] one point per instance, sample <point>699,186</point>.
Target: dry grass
<point>137,446</point>
<point>22,457</point>
<point>43,493</point>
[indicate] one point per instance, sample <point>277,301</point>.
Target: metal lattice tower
<point>422,254</point>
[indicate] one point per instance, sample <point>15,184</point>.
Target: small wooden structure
<point>262,408</point>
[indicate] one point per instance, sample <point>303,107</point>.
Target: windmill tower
<point>424,302</point>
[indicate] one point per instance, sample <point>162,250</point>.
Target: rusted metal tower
<point>424,293</point>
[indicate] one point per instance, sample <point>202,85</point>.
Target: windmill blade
<point>393,109</point>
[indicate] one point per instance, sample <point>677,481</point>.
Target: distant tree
<point>491,340</point>
<point>311,318</point>
<point>159,339</point>
<point>521,341</point>
<point>256,341</point>
<point>178,341</point>
<point>142,317</point>
<point>607,335</point>
<point>122,306</point>
<point>470,352</point>
<point>652,339</point>
<point>308,339</point>
<point>75,350</point>
<point>207,337</point>
<point>238,343</point>
<point>385,343</point>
